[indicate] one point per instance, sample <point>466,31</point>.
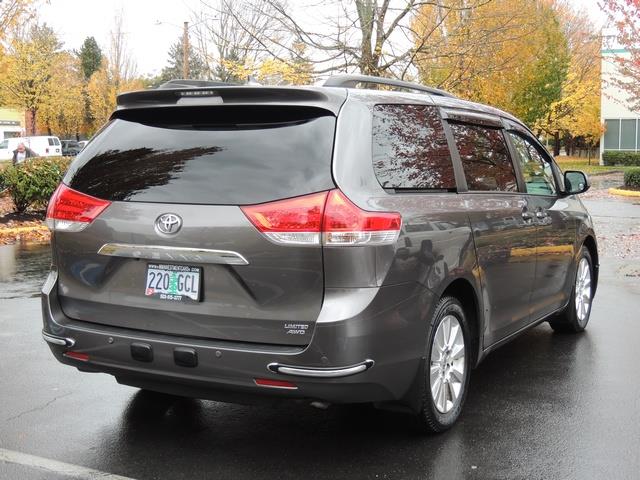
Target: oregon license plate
<point>173,282</point>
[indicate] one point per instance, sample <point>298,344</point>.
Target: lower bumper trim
<point>62,341</point>
<point>336,372</point>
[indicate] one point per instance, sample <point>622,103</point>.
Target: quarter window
<point>485,158</point>
<point>537,172</point>
<point>410,148</point>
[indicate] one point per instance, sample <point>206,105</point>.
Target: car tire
<point>575,317</point>
<point>445,372</point>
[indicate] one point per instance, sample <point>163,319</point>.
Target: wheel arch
<point>590,244</point>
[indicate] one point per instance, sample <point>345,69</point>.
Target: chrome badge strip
<point>172,254</point>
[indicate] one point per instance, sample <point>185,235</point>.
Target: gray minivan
<point>330,244</point>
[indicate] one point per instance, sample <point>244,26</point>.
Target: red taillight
<point>72,211</point>
<point>267,382</point>
<point>347,224</point>
<point>294,221</point>
<point>303,220</point>
<point>83,357</point>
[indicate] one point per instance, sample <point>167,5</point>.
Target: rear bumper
<point>366,347</point>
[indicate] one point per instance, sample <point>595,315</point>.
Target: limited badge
<point>296,328</point>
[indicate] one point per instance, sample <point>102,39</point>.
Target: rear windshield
<point>208,155</point>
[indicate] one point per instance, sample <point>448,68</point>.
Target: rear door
<point>176,179</point>
<point>503,228</point>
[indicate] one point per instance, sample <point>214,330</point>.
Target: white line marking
<point>53,466</point>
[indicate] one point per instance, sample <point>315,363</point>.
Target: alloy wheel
<point>447,370</point>
<point>583,290</point>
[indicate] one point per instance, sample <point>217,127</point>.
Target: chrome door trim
<point>172,254</point>
<point>320,372</point>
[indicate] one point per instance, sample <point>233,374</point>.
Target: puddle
<point>23,269</point>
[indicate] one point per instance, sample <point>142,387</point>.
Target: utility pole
<point>185,51</point>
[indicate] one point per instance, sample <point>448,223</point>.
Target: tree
<point>576,115</point>
<point>511,54</point>
<point>197,67</point>
<point>28,69</point>
<point>102,91</point>
<point>547,74</point>
<point>231,34</point>
<point>123,66</point>
<point>64,111</point>
<point>368,36</point>
<point>625,16</point>
<point>12,13</point>
<point>272,71</point>
<point>90,57</point>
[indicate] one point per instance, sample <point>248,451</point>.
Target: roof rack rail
<point>184,83</point>
<point>351,81</point>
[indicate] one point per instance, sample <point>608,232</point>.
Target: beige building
<point>11,123</point>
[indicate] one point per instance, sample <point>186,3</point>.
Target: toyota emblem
<point>168,224</point>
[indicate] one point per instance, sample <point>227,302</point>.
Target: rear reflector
<point>71,211</point>
<point>267,382</point>
<point>83,357</point>
<point>327,217</point>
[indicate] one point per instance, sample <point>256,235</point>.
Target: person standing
<point>21,153</point>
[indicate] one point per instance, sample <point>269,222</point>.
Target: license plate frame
<point>175,283</point>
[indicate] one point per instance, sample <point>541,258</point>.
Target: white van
<point>43,146</point>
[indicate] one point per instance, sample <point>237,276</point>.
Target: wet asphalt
<point>544,406</point>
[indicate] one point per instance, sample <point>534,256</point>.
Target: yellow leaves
<point>271,71</point>
<point>102,92</point>
<point>63,111</point>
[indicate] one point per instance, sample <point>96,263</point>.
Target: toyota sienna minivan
<point>328,244</point>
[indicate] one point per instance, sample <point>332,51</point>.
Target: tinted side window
<point>485,158</point>
<point>410,149</point>
<point>537,172</point>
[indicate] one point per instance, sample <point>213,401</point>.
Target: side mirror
<point>575,182</point>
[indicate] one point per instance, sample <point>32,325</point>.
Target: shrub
<point>621,158</point>
<point>632,178</point>
<point>31,183</point>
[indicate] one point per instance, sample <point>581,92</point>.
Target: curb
<point>624,193</point>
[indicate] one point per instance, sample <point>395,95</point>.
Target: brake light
<point>71,211</point>
<point>293,221</point>
<point>327,217</point>
<point>347,224</point>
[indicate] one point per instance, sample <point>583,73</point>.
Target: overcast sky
<point>74,20</point>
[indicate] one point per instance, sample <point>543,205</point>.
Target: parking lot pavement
<point>543,406</point>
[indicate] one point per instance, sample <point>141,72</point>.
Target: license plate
<point>173,282</point>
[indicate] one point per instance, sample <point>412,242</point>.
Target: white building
<point>622,125</point>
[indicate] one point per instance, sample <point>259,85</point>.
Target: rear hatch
<point>170,183</point>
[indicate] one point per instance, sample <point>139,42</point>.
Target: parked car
<point>82,143</point>
<point>43,146</point>
<point>332,244</point>
<point>70,148</point>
